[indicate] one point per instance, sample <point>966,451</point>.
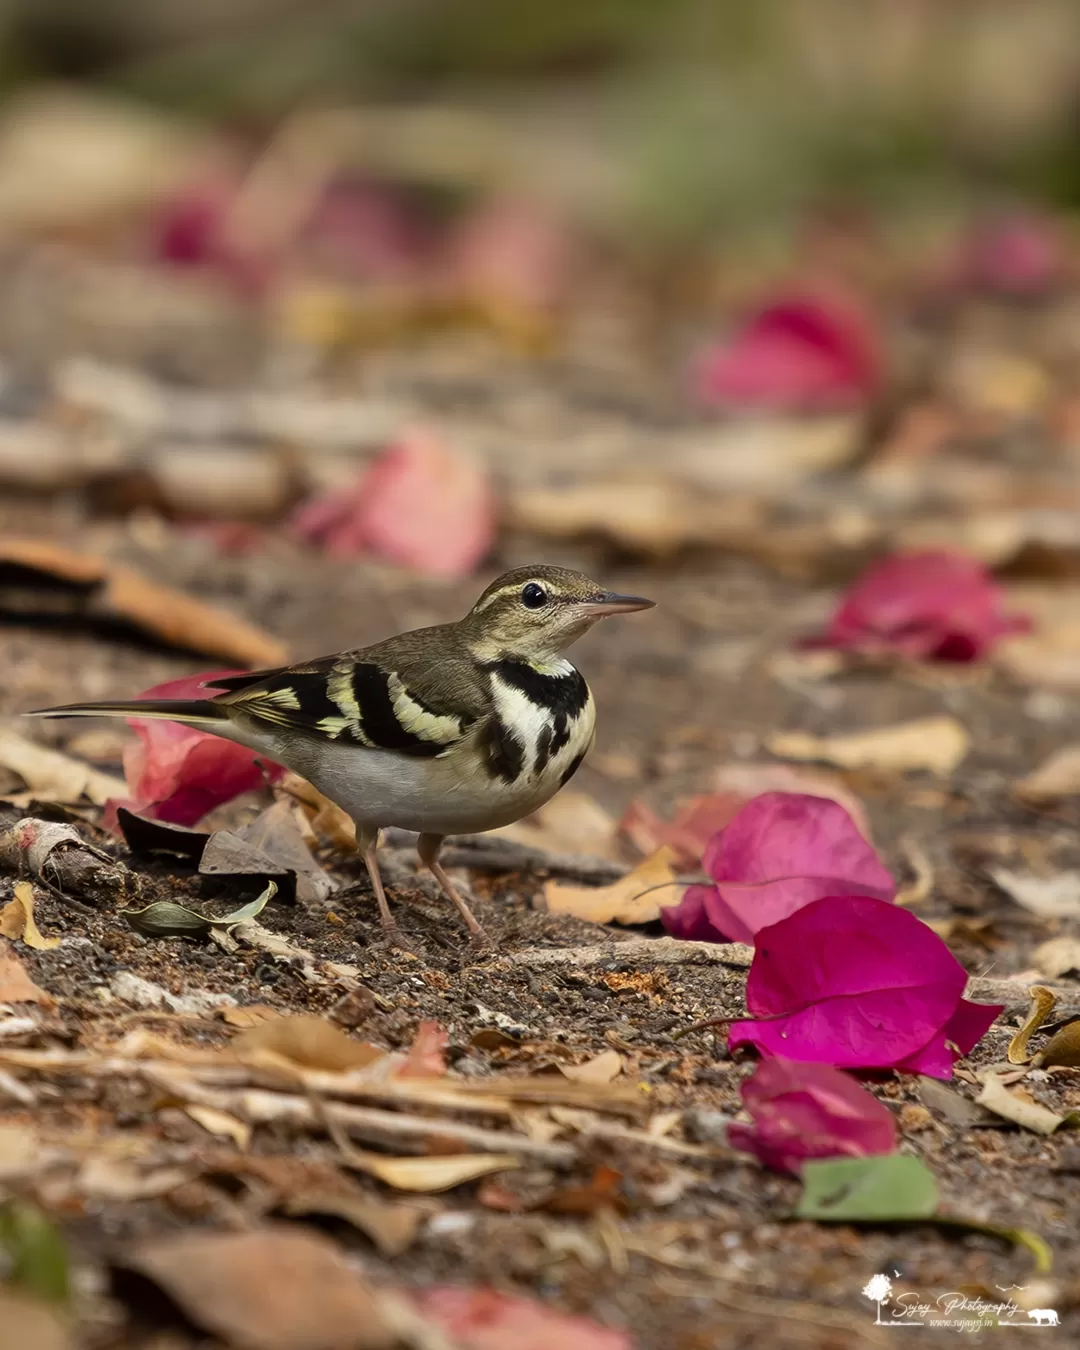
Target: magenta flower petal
<point>805,1111</point>
<point>858,983</point>
<point>689,919</point>
<point>782,851</point>
<point>807,352</point>
<point>967,1026</point>
<point>930,605</point>
<point>178,774</point>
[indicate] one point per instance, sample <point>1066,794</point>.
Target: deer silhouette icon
<point>1043,1317</point>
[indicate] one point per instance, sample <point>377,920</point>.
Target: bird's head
<point>534,613</point>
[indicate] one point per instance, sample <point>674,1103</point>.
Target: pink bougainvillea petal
<point>805,1111</point>
<point>420,504</point>
<point>426,1057</point>
<point>689,832</point>
<point>483,1319</point>
<point>782,851</point>
<point>931,605</point>
<point>967,1026</point>
<point>855,982</point>
<point>798,352</point>
<point>510,254</point>
<point>178,774</point>
<point>1017,254</point>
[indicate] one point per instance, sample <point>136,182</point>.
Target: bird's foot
<point>395,937</point>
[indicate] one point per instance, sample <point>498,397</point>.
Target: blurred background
<point>617,281</point>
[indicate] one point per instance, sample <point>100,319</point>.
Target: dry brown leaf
<point>16,986</point>
<point>427,1176</point>
<point>221,1123</point>
<point>96,589</point>
<point>30,1325</point>
<point>1021,1110</point>
<point>392,1227</point>
<point>1063,1047</point>
<point>936,744</point>
<point>1056,897</point>
<point>17,920</point>
<point>637,897</point>
<point>55,776</point>
<point>1058,776</point>
<point>572,822</point>
<point>603,1068</point>
<point>275,1288</point>
<point>119,1179</point>
<point>1043,1002</point>
<point>1058,956</point>
<point>328,821</point>
<point>309,1042</point>
<point>250,1015</point>
<point>19,1148</point>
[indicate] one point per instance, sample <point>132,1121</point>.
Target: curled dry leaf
<point>637,897</point>
<point>307,1042</point>
<point>935,744</point>
<point>221,1123</point>
<point>57,853</point>
<point>16,986</point>
<point>274,1288</point>
<point>428,1176</point>
<point>99,592</point>
<point>1017,1107</point>
<point>54,776</point>
<point>602,1068</point>
<point>1043,1002</point>
<point>250,1015</point>
<point>165,918</point>
<point>17,920</point>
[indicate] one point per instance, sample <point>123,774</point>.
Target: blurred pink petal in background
<point>931,605</point>
<point>799,352</point>
<point>420,504</point>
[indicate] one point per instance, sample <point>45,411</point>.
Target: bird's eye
<point>533,596</point>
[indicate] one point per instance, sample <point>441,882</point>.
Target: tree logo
<point>878,1289</point>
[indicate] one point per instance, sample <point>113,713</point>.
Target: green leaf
<point>164,918</point>
<point>35,1252</point>
<point>881,1189</point>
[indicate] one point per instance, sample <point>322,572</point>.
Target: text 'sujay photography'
<point>539,674</point>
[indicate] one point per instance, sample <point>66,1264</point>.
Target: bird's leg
<point>367,842</point>
<point>427,846</point>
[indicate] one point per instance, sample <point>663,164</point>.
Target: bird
<point>454,729</point>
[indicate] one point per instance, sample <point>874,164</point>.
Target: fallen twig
<point>650,951</point>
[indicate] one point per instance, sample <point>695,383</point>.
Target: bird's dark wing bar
<point>348,701</point>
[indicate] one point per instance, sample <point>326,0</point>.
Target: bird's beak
<point>608,602</point>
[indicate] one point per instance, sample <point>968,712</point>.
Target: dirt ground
<point>703,1253</point>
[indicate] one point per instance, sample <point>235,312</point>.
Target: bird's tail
<point>190,711</point>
